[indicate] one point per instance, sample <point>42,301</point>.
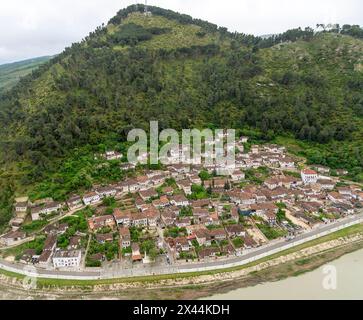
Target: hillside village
<point>183,213</point>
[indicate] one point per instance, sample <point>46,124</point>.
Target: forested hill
<point>184,72</point>
<point>11,73</point>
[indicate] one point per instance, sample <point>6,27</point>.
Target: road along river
<point>248,257</point>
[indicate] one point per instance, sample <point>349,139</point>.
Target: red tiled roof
<point>309,171</point>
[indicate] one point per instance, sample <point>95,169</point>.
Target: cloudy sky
<point>31,28</point>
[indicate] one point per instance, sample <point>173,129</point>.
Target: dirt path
<point>296,221</point>
<point>256,233</point>
<point>86,252</point>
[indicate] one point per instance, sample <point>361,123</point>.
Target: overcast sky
<point>32,28</point>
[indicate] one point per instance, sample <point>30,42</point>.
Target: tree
<point>148,247</point>
<point>186,212</point>
<point>238,242</point>
<point>204,175</point>
<point>281,215</point>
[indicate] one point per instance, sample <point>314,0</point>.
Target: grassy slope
<point>180,35</point>
<point>12,72</point>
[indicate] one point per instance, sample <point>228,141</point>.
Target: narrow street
<point>86,252</point>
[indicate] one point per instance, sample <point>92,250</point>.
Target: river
<point>340,279</point>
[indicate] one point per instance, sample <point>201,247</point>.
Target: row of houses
<point>267,155</point>
<point>185,176</point>
<point>37,210</point>
<point>127,218</point>
<point>312,196</point>
<point>51,255</point>
<point>205,239</point>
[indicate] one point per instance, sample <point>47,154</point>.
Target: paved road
<point>145,270</point>
<point>269,249</point>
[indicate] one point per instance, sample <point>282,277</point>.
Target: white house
<point>139,220</point>
<point>122,217</point>
<point>322,169</point>
<point>113,155</point>
<point>106,192</point>
<point>91,198</point>
<point>346,191</point>
<point>143,157</point>
<point>287,163</point>
<point>52,207</point>
<point>273,183</point>
<point>182,244</point>
<point>359,196</point>
<point>48,209</point>
<point>238,175</point>
<point>309,176</point>
<point>75,202</point>
<point>127,166</point>
<point>242,198</point>
<point>186,186</point>
<point>133,186</point>
<point>326,184</point>
<point>195,179</point>
<point>179,201</point>
<point>255,149</point>
<point>21,207</point>
<point>158,180</point>
<point>123,187</point>
<point>67,259</point>
<point>125,237</point>
<point>12,238</point>
<point>336,197</point>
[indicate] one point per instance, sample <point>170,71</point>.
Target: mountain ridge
<point>24,61</point>
<point>11,73</point>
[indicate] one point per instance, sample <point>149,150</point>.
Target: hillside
<point>301,88</point>
<point>11,73</point>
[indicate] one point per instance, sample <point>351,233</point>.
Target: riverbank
<point>310,286</point>
<point>292,262</point>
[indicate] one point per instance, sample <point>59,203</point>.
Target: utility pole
<point>147,12</point>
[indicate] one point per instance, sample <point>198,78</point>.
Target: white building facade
<point>309,176</point>
<point>67,259</point>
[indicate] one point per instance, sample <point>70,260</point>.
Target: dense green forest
<point>11,73</point>
<point>301,86</point>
